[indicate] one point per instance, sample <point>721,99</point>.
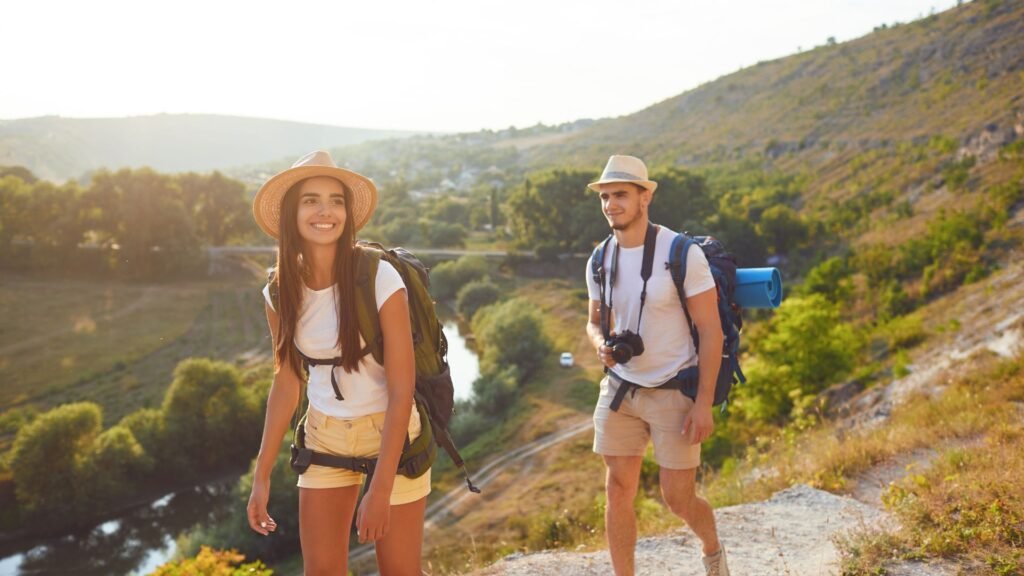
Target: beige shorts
<point>650,414</point>
<point>360,437</point>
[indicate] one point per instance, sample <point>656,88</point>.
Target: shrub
<point>511,334</point>
<point>447,277</point>
<point>476,295</point>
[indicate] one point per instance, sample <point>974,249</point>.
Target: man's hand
<point>699,424</point>
<point>605,354</point>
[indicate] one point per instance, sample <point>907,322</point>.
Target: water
<point>462,361</point>
<point>136,543</point>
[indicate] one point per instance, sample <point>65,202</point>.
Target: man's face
<point>623,203</point>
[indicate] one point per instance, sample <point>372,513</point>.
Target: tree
<point>782,228</point>
<point>511,334</point>
<point>682,200</point>
<point>556,207</point>
<point>109,467</point>
<point>447,277</point>
<point>45,459</point>
<point>475,295</point>
<point>806,347</point>
<point>217,204</point>
<point>208,415</point>
<point>142,213</point>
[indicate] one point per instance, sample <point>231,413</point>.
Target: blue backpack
<point>723,268</point>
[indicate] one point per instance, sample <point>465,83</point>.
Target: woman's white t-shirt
<point>316,336</point>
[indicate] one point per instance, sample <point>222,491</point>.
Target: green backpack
<point>435,393</point>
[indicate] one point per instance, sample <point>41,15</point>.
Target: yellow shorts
<point>360,437</point>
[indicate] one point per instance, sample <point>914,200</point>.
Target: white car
<point>566,360</point>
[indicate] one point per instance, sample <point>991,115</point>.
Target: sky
<point>438,65</point>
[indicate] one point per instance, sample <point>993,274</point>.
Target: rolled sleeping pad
<point>758,287</point>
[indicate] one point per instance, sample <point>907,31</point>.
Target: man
<point>650,405</point>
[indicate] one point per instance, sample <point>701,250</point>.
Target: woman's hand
<point>374,516</point>
<point>259,520</point>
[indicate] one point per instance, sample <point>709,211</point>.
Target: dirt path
<point>789,534</point>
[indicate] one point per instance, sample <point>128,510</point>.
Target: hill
<point>957,73</point>
<point>65,148</point>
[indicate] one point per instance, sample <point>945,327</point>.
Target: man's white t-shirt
<point>316,336</point>
<point>668,346</point>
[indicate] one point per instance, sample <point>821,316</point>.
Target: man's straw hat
<point>624,169</point>
<point>266,206</point>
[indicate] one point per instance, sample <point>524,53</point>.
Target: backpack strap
<point>597,272</point>
<point>366,302</point>
<point>677,256</point>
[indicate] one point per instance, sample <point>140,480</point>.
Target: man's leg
<point>679,489</point>
<point>621,485</point>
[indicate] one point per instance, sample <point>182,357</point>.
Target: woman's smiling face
<point>321,214</point>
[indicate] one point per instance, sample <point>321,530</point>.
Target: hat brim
<point>266,206</point>
<point>646,184</point>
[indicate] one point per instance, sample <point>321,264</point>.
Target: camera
<point>624,346</point>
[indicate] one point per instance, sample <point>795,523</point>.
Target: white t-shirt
<point>668,346</point>
<point>316,336</point>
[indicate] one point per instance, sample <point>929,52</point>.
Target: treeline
<point>136,223</point>
<point>67,470</point>
<point>554,212</point>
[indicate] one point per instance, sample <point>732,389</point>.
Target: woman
<point>360,408</point>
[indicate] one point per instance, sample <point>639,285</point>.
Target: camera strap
<point>646,268</point>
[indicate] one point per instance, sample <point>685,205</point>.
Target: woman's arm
<point>281,405</point>
<point>400,369</point>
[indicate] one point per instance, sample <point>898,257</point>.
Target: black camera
<point>624,346</point>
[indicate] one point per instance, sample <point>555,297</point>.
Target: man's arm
<point>703,309</point>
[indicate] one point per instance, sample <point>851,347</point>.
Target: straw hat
<point>266,206</point>
<point>624,169</point>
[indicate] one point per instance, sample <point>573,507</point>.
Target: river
<point>141,540</point>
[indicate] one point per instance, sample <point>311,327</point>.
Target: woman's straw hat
<point>266,206</point>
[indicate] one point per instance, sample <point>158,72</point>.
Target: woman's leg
<point>325,519</point>
<point>398,554</point>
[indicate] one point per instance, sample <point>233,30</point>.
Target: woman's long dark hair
<point>290,273</point>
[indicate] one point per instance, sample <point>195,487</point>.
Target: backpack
<point>435,393</point>
<point>723,269</point>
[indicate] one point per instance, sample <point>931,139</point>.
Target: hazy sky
<point>423,65</point>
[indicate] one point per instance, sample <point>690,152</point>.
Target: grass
<point>114,343</point>
<point>969,505</point>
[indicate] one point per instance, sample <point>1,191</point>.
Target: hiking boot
<point>715,564</point>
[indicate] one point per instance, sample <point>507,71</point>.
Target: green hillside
<point>64,148</point>
<point>959,73</point>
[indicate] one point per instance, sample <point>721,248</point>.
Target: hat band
<point>622,175</point>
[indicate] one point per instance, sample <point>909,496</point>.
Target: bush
<point>493,392</point>
<point>110,466</point>
<point>208,415</point>
<point>510,334</point>
<point>447,277</point>
<point>210,562</point>
<point>476,295</point>
<point>45,457</point>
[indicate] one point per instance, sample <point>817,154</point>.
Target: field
<point>116,343</point>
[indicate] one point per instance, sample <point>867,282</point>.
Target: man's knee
<point>622,482</point>
<point>679,490</point>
